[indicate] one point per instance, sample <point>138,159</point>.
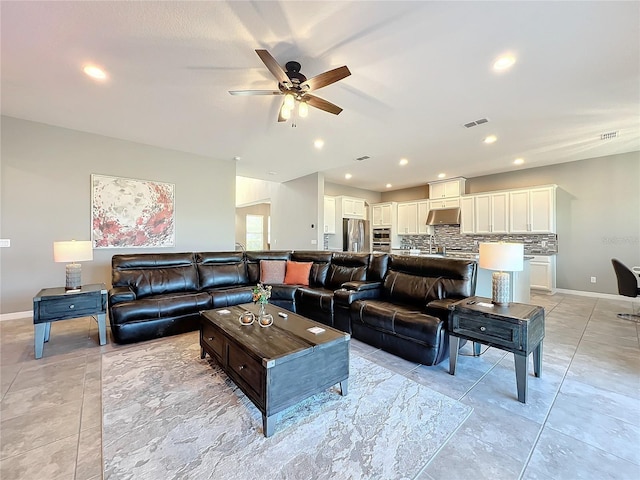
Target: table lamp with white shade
<point>503,258</point>
<point>73,252</point>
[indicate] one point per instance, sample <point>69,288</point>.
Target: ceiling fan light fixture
<point>303,109</point>
<point>285,112</point>
<point>289,101</point>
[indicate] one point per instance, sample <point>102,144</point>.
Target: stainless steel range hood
<point>444,216</point>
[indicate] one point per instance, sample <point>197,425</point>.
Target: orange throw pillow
<point>297,273</point>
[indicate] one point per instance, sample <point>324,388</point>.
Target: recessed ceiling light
<point>490,139</point>
<point>518,161</point>
<point>504,63</point>
<point>403,161</point>
<point>388,185</point>
<point>348,176</point>
<point>94,72</point>
<point>319,143</point>
<point>442,175</point>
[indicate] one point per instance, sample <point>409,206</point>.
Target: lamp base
<point>74,274</point>
<point>500,288</point>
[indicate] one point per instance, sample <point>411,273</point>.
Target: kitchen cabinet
<point>329,215</point>
<point>491,213</point>
<point>447,189</point>
<point>423,212</point>
<point>352,207</point>
<point>543,273</point>
<point>532,210</point>
<point>408,218</point>
<point>383,214</point>
<point>467,215</point>
<point>444,203</point>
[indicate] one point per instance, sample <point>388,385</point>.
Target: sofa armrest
<point>121,294</point>
<point>440,308</point>
<point>359,286</point>
<point>344,297</point>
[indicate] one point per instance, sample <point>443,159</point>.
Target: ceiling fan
<point>295,87</point>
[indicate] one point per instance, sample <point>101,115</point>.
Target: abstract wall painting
<point>129,213</point>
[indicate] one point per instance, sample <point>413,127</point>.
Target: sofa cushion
<point>411,289</point>
<point>320,259</point>
<point>272,271</point>
<point>401,320</point>
<point>159,306</point>
<point>297,273</point>
<point>314,299</point>
<point>346,267</point>
<point>228,296</point>
<point>221,269</point>
<point>154,274</point>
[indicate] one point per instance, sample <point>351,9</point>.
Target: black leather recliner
<point>406,314</point>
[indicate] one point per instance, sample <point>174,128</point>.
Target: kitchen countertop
<point>450,254</point>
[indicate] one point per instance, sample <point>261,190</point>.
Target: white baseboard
<point>16,315</point>
<point>607,296</point>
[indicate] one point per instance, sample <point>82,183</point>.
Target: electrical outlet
<point>543,243</point>
<point>5,242</point>
<point>593,279</point>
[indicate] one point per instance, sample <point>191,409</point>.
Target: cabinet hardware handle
<point>210,338</point>
<point>72,306</point>
<point>241,367</point>
<point>482,329</point>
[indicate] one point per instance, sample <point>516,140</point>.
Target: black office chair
<point>627,286</point>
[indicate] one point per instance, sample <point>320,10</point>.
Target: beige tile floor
<point>582,418</point>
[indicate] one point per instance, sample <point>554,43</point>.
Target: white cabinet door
<point>444,203</point>
<point>358,208</point>
<point>519,211</point>
<point>381,215</point>
<point>436,190</point>
<point>467,215</point>
<point>543,273</point>
<point>446,189</point>
<point>532,211</point>
<point>542,210</point>
<point>499,213</point>
<point>423,213</point>
<point>386,214</point>
<point>482,214</point>
<point>408,218</point>
<point>353,208</point>
<point>329,215</point>
<point>376,215</point>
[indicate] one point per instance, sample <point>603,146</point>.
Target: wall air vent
<point>609,135</point>
<point>364,157</point>
<point>475,123</point>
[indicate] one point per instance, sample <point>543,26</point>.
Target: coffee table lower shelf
<point>278,366</point>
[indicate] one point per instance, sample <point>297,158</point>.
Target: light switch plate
<point>5,242</point>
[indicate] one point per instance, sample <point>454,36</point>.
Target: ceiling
<point>420,71</point>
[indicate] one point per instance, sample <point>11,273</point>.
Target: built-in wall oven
<point>381,240</point>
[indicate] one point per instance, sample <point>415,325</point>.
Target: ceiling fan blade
<point>326,78</point>
<point>275,68</point>
<point>255,92</point>
<point>322,104</point>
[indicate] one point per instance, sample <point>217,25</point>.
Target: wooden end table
<point>54,304</point>
<point>517,328</point>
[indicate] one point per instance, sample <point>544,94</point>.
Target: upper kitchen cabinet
<point>352,207</point>
<point>446,189</point>
<point>467,215</point>
<point>423,213</point>
<point>383,214</point>
<point>440,203</point>
<point>492,213</point>
<point>408,218</point>
<point>329,214</point>
<point>533,210</point>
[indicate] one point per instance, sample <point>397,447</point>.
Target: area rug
<point>167,414</point>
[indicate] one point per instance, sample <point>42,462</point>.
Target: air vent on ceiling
<point>609,135</point>
<point>477,122</point>
<point>364,157</point>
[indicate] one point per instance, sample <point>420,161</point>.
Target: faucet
<point>238,244</point>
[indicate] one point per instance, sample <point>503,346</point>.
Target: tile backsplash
<point>449,237</point>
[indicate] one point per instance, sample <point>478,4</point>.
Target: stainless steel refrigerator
<point>355,235</point>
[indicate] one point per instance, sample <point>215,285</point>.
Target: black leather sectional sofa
<point>397,303</point>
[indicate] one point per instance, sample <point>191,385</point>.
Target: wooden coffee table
<point>276,366</point>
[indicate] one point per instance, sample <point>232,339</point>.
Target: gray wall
<point>598,215</point>
<point>45,196</point>
<point>297,213</point>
